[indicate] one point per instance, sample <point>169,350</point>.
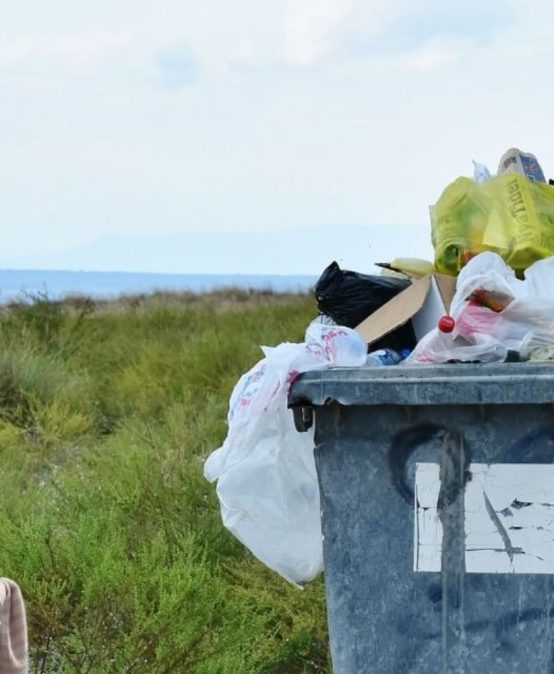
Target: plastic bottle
<point>386,357</point>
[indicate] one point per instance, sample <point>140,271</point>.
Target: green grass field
<point>107,413</point>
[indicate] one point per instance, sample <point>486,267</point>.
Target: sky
<point>255,137</point>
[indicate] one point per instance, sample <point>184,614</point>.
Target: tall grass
<point>107,412</point>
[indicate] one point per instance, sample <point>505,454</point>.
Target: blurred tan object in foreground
<point>13,629</point>
<point>407,266</point>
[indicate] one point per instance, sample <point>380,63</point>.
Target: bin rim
<point>449,384</point>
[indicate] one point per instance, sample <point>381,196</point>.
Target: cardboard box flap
<point>432,293</point>
<point>447,288</point>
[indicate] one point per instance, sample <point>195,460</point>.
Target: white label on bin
<point>508,518</point>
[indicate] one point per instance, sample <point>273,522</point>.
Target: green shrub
<point>107,412</point>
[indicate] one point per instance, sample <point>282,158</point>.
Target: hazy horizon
<point>55,284</point>
<point>290,251</point>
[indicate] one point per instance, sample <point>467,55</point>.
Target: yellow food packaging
<point>510,215</point>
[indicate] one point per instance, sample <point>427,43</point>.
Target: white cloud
<point>311,27</point>
<point>80,46</point>
<point>275,33</point>
<point>432,56</point>
<point>78,53</point>
<point>15,51</point>
<point>86,48</point>
<point>421,36</point>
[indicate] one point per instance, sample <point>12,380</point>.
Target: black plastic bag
<point>348,297</point>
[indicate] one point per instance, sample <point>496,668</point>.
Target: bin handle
<point>303,418</point>
<point>454,457</point>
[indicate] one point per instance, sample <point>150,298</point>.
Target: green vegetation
<point>107,412</point>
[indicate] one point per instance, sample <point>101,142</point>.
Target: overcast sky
<point>324,126</point>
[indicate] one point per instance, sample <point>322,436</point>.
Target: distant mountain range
<point>289,251</point>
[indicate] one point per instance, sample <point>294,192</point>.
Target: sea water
<point>21,284</point>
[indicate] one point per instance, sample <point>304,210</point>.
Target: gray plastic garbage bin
<point>437,500</point>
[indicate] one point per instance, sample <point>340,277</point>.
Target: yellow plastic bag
<point>510,215</point>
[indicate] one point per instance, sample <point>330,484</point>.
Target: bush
<point>107,412</point>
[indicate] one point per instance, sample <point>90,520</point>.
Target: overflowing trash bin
<point>437,506</point>
<point>428,394</point>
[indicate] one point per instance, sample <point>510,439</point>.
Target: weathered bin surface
<point>437,497</point>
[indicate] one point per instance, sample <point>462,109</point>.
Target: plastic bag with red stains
<point>494,313</point>
<point>265,470</point>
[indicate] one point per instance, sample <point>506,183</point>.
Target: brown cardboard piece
<point>424,302</point>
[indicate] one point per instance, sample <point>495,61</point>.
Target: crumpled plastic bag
<point>265,470</point>
<point>494,313</point>
<point>508,214</point>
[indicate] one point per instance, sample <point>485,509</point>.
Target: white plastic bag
<point>267,483</point>
<point>523,319</point>
<point>481,173</point>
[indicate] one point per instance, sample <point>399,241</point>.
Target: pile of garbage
<point>488,296</point>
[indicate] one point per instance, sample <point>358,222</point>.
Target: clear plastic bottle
<point>386,357</point>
